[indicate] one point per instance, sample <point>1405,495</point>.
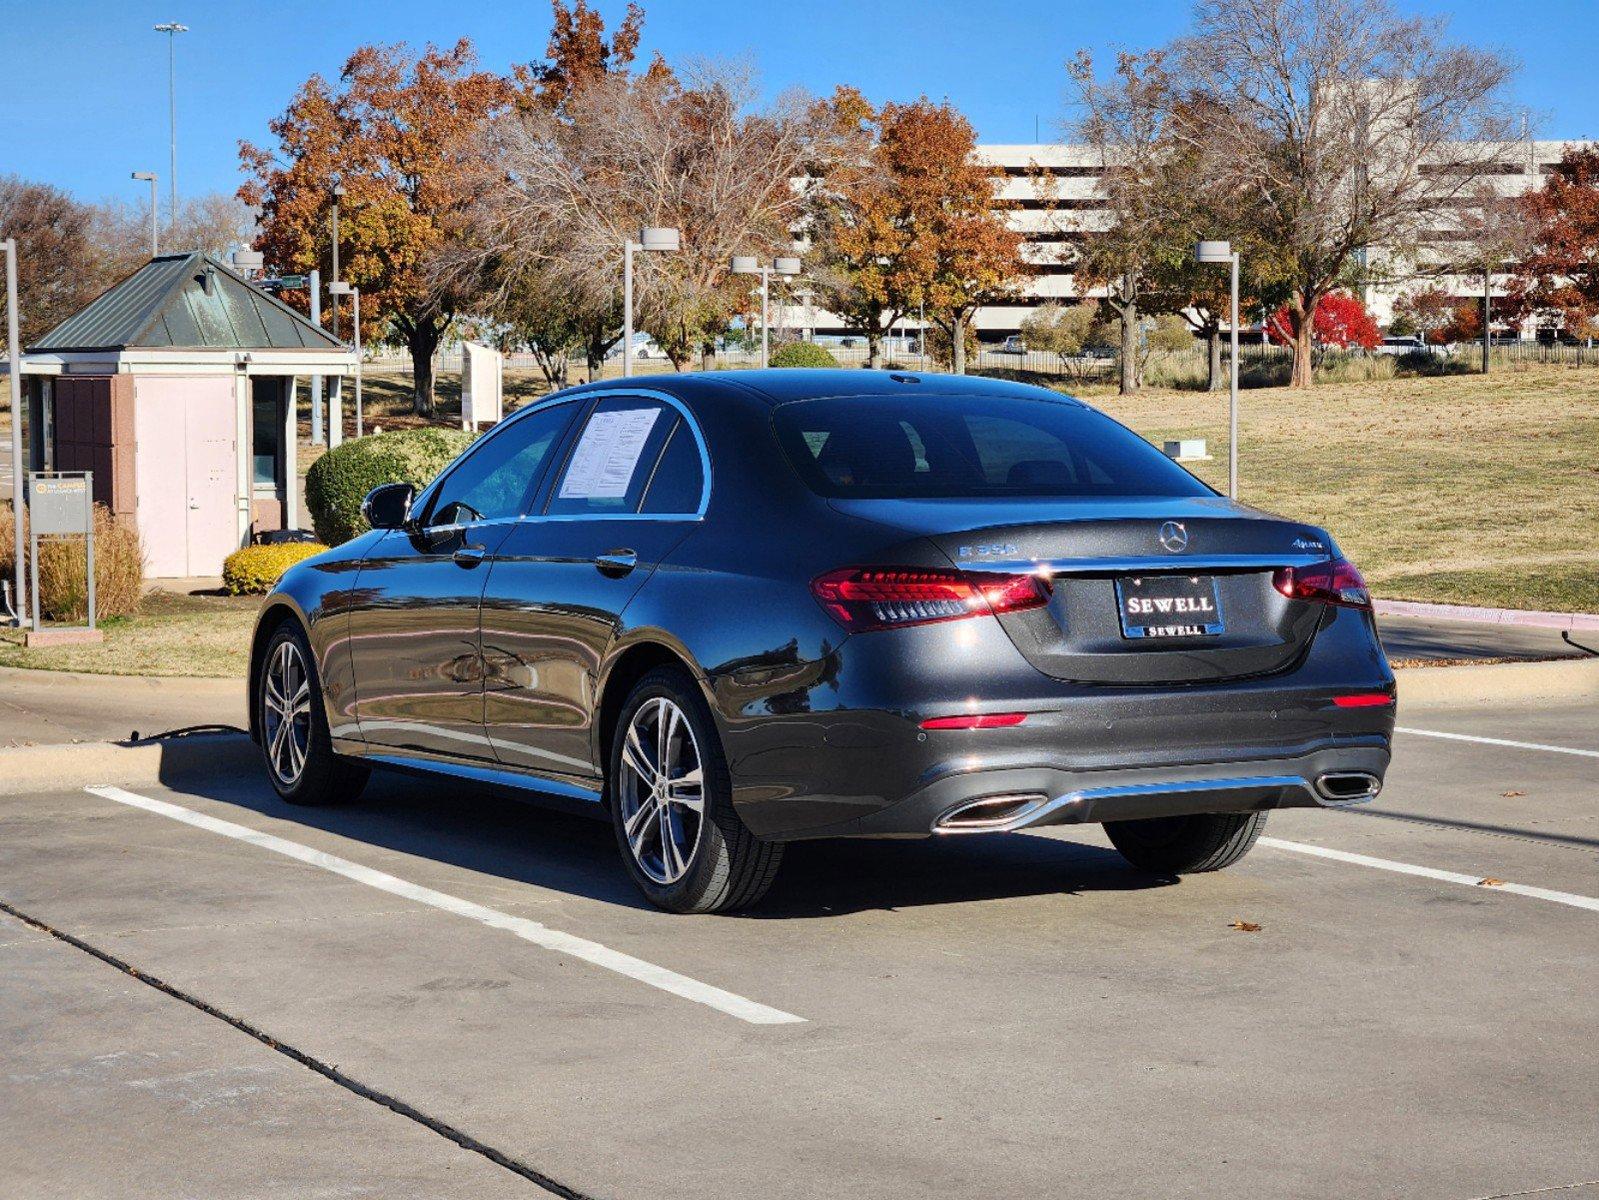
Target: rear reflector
<point>865,598</point>
<point>1333,582</point>
<point>1364,700</point>
<point>976,721</point>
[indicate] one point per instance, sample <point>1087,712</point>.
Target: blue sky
<point>85,96</point>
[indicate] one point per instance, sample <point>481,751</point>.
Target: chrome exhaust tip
<point>989,813</point>
<point>1347,787</point>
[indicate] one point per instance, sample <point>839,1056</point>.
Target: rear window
<point>965,447</point>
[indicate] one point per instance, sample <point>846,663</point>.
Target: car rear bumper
<point>1010,799</point>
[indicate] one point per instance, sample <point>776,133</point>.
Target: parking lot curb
<point>82,764</point>
<point>1500,683</point>
<point>1529,618</point>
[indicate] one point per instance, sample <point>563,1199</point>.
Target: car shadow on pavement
<point>493,834</point>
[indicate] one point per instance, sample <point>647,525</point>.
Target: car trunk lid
<point>1197,571</point>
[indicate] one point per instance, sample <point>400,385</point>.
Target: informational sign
<point>60,503</point>
<point>607,454</point>
<point>482,385</point>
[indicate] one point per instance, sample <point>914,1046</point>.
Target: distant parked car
<point>1402,344</point>
<point>1013,345</point>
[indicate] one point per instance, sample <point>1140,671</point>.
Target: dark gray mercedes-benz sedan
<point>728,611</point>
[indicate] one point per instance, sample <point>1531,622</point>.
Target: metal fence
<point>1182,367</point>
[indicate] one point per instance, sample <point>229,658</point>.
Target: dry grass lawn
<point>1463,490</point>
<point>172,634</point>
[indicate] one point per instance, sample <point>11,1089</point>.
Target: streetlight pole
<point>658,238</point>
<point>14,366</point>
<point>340,288</point>
<point>748,264</point>
<point>1487,305</point>
<point>172,29</point>
<point>1222,252</point>
<point>152,178</point>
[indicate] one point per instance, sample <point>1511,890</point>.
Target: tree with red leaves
<point>1561,274</point>
<point>1341,322</point>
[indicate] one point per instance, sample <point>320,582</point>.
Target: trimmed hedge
<point>803,354</point>
<point>339,480</point>
<point>254,570</point>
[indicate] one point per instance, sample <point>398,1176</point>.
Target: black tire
<point>1186,845</point>
<point>727,867</point>
<point>323,776</point>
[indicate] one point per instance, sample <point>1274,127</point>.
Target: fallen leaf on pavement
<point>1507,795</point>
<point>1490,881</point>
<point>1245,926</point>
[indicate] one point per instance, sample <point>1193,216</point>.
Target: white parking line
<point>1387,864</point>
<point>1488,741</point>
<point>540,935</point>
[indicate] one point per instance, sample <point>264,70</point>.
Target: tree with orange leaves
<point>903,216</point>
<point>397,131</point>
<point>579,53</point>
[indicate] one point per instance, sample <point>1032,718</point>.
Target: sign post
<point>61,504</point>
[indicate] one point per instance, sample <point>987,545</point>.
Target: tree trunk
<point>422,339</point>
<point>1213,345</point>
<point>1129,355</point>
<point>957,343</point>
<point>1304,349</point>
<point>874,350</point>
<point>707,356</point>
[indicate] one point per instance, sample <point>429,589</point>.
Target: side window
<point>498,478</point>
<point>611,464</point>
<point>679,480</point>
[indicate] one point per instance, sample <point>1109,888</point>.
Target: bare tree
<point>1351,127</point>
<point>570,188</point>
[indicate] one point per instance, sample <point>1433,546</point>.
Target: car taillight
<point>865,598</point>
<point>1334,582</point>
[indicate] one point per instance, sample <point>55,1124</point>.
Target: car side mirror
<point>388,506</point>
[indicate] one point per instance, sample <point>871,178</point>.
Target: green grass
<point>171,634</point>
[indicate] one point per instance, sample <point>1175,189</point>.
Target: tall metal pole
<point>333,299</point>
<point>1232,408</point>
<point>14,365</point>
<point>172,29</point>
<point>627,306</point>
<point>316,380</point>
<point>766,277</point>
<point>356,302</point>
<point>1487,302</point>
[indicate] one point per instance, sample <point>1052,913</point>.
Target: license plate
<point>1168,606</point>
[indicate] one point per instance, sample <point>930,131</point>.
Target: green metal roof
<point>185,301</point>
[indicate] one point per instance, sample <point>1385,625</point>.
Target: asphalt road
<point>1017,1015</point>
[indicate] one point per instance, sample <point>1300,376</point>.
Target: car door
<point>413,632</point>
<point>633,485</point>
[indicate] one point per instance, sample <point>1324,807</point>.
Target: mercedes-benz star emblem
<point>1173,537</point>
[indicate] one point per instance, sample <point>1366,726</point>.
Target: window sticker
<point>607,454</point>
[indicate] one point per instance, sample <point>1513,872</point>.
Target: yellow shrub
<point>253,570</point>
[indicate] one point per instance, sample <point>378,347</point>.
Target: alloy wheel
<point>286,712</point>
<point>662,791</point>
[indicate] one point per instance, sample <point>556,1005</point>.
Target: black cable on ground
<point>393,1103</point>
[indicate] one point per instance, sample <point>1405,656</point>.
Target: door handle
<point>469,556</point>
<point>616,562</point>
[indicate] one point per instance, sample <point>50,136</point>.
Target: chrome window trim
<point>693,425</point>
<point>1169,562</point>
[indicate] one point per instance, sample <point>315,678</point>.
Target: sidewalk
<point>1412,638</point>
<point>55,706</point>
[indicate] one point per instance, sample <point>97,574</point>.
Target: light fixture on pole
<point>338,190</point>
<point>661,239</point>
<point>1223,252</point>
<point>19,596</point>
<point>172,29</point>
<point>748,264</point>
<point>340,288</point>
<point>151,178</point>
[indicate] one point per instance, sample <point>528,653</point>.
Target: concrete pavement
<point>1002,1016</point>
<point>58,706</point>
<point>1422,639</point>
